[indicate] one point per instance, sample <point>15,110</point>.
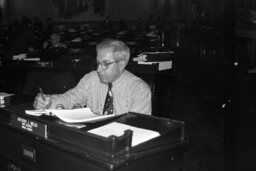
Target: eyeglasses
<point>105,65</point>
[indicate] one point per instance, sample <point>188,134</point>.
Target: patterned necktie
<point>108,106</point>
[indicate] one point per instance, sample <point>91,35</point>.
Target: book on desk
<point>71,115</point>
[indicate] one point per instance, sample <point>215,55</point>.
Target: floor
<point>217,101</point>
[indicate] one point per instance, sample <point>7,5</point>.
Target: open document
<point>70,115</point>
<point>140,135</point>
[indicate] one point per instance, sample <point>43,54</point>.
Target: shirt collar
<point>119,79</point>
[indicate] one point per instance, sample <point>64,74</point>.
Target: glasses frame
<point>105,65</point>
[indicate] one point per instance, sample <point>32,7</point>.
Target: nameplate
<point>29,125</point>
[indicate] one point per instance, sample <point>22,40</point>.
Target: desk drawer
<point>38,155</point>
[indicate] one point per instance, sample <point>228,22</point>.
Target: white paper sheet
<point>71,115</point>
<point>140,135</point>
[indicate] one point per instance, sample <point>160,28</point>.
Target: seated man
<point>53,49</point>
<point>126,92</point>
<point>55,42</point>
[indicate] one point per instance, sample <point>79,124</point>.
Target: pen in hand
<point>41,93</point>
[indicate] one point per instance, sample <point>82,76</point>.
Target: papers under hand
<point>71,115</point>
<point>140,135</point>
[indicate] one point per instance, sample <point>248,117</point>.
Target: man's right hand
<point>42,102</point>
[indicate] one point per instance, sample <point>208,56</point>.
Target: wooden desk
<point>48,145</point>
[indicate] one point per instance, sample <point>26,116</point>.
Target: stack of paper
<point>140,135</point>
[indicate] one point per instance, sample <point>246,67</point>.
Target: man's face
<point>113,71</point>
<point>55,40</point>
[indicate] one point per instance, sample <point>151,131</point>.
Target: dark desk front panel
<point>66,148</point>
<point>35,154</point>
<point>49,157</point>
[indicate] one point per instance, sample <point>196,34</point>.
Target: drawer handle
<point>29,153</point>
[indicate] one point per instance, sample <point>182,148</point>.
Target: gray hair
<point>120,50</point>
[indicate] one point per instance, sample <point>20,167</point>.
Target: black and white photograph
<point>127,85</point>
